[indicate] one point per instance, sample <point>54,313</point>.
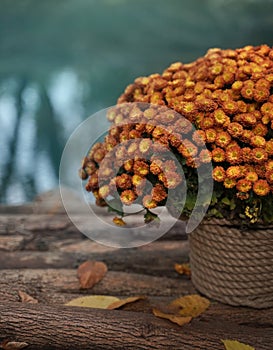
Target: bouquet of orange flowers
<point>217,110</point>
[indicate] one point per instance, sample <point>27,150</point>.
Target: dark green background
<point>61,61</point>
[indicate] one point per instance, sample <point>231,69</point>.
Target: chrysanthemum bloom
<point>93,183</point>
<point>199,137</point>
<point>124,181</point>
<point>139,183</point>
<point>128,197</point>
<point>260,129</point>
<point>169,165</point>
<point>269,147</point>
<point>222,139</point>
<point>244,185</point>
<point>219,174</point>
<point>183,126</point>
<point>159,193</point>
<point>248,119</point>
<point>148,202</point>
<point>141,168</point>
<point>205,156</point>
<point>211,135</point>
<point>257,141</point>
<point>261,187</point>
<point>207,123</point>
<point>170,179</point>
<point>187,149</point>
<point>269,165</point>
<point>234,172</point>
<point>269,176</point>
<point>90,168</point>
<point>156,166</point>
<point>229,183</point>
<point>104,191</point>
<point>128,165</point>
<point>218,155</point>
<point>220,117</point>
<point>233,155</point>
<point>235,129</point>
<point>145,145</point>
<point>259,155</point>
<point>251,176</point>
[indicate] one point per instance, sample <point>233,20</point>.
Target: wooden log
<point>41,224</point>
<point>160,257</point>
<point>45,327</point>
<point>51,285</point>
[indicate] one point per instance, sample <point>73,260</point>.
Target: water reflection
<point>62,61</point>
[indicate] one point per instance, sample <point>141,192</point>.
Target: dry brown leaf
<point>182,310</point>
<point>93,301</point>
<point>180,320</point>
<point>13,345</point>
<point>183,269</point>
<point>90,273</point>
<point>26,298</point>
<point>119,303</point>
<point>235,345</point>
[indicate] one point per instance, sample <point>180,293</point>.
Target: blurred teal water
<point>61,61</point>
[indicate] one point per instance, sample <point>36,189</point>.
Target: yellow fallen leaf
<point>235,345</point>
<point>119,221</point>
<point>93,301</point>
<point>190,305</point>
<point>13,345</point>
<point>183,269</point>
<point>119,303</point>
<point>180,320</point>
<point>26,298</point>
<point>182,310</point>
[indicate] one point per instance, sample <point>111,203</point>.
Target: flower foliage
<point>224,101</point>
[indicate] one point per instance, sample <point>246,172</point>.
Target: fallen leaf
<point>13,345</point>
<point>191,305</point>
<point>26,298</point>
<point>121,302</point>
<point>93,301</point>
<point>180,320</point>
<point>119,221</point>
<point>183,269</point>
<point>90,273</point>
<point>235,345</point>
<point>182,310</point>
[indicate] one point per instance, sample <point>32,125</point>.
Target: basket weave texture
<point>231,265</point>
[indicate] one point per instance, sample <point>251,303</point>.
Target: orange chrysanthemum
<point>233,155</point>
<point>229,183</point>
<point>218,155</point>
<point>259,155</point>
<point>261,187</point>
<point>235,129</point>
<point>251,176</point>
<point>244,185</point>
<point>234,172</point>
<point>219,174</point>
<point>222,139</point>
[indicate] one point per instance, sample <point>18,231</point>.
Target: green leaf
<point>115,205</point>
<point>151,217</point>
<point>225,201</point>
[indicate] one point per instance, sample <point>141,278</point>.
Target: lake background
<point>61,61</point>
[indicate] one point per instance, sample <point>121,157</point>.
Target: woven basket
<point>233,266</point>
